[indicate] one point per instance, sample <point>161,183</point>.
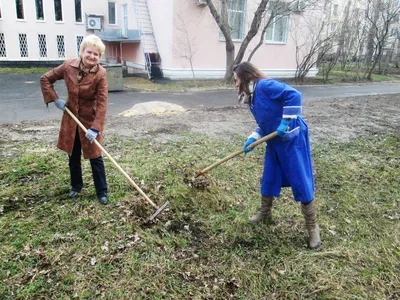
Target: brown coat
<point>86,100</point>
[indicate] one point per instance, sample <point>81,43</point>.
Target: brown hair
<point>247,72</point>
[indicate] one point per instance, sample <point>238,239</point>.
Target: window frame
<point>335,10</point>
<point>62,11</point>
<point>115,13</point>
<point>44,14</point>
<point>242,30</point>
<point>19,45</point>
<point>47,48</point>
<point>5,46</point>
<point>65,47</point>
<point>77,22</point>
<point>273,23</point>
<point>23,12</point>
<point>124,19</point>
<point>76,43</point>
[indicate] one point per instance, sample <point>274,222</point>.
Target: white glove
<point>91,135</point>
<point>60,104</point>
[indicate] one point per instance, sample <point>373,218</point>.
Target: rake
<point>158,209</point>
<point>259,141</point>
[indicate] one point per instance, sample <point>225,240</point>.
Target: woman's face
<point>90,56</point>
<point>236,79</point>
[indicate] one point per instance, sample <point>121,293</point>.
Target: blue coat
<point>287,159</point>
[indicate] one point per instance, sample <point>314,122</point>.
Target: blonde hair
<point>93,41</point>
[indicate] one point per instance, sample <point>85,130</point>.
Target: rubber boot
<point>265,211</point>
<point>310,216</point>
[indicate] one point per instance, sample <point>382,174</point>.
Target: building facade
<point>173,38</point>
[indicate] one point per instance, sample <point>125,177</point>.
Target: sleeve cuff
<point>255,135</point>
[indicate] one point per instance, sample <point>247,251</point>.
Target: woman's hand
<point>91,135</point>
<point>60,104</point>
<point>249,141</point>
<point>283,127</point>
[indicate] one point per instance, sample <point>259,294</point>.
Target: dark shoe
<point>73,194</point>
<point>103,200</point>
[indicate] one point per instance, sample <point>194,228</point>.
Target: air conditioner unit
<point>201,2</point>
<point>93,23</point>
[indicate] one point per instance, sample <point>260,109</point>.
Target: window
<point>79,39</point>
<point>112,13</point>
<point>333,27</point>
<point>277,31</point>
<point>39,10</point>
<point>58,10</point>
<point>78,11</point>
<point>3,50</point>
<point>42,45</point>
<point>19,6</point>
<point>335,10</point>
<point>236,18</point>
<point>124,27</point>
<point>23,45</point>
<point>60,46</point>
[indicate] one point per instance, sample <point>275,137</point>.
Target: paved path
<point>21,98</point>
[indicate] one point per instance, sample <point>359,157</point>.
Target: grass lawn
<point>24,71</point>
<point>202,247</point>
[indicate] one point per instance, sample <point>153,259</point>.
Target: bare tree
<point>266,12</point>
<point>381,15</point>
<point>358,39</point>
<point>312,48</point>
<point>326,64</point>
<point>186,46</point>
<point>351,36</point>
<point>343,36</point>
<point>276,11</point>
<point>219,11</point>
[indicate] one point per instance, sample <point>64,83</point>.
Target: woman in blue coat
<point>276,106</point>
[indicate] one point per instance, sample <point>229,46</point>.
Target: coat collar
<point>75,63</point>
<point>88,79</point>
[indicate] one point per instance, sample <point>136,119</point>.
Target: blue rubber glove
<point>60,104</point>
<point>247,143</point>
<point>91,135</point>
<point>283,127</point>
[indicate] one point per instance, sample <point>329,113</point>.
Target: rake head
<point>158,210</point>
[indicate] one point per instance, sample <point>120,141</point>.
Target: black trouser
<point>75,169</point>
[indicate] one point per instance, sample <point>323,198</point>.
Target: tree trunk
<point>230,58</point>
<point>222,21</point>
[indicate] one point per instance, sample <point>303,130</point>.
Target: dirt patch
<point>340,119</point>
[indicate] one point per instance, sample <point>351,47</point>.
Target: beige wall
<point>197,23</point>
<point>162,17</point>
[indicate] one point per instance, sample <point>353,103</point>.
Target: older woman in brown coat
<point>87,99</point>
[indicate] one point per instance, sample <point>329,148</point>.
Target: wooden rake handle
<point>259,141</point>
<point>112,160</point>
